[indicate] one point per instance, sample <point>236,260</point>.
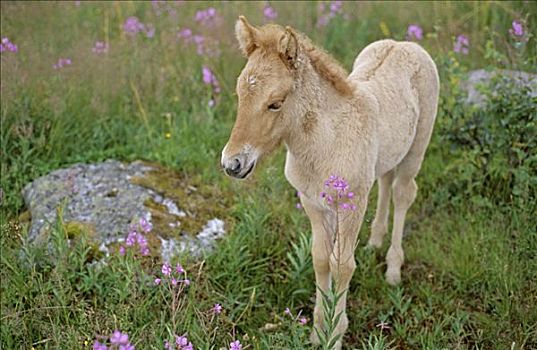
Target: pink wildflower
<point>100,47</point>
<point>217,309</point>
<point>414,32</point>
<point>145,225</point>
<point>99,346</point>
<point>339,189</point>
<point>119,338</point>
<point>131,238</point>
<point>302,321</point>
<point>166,269</point>
<point>133,26</point>
<point>209,78</point>
<point>517,28</point>
<point>236,345</point>
<point>335,8</point>
<point>462,44</point>
<point>181,341</point>
<point>270,13</point>
<point>157,281</point>
<point>207,17</point>
<point>7,45</point>
<point>62,62</point>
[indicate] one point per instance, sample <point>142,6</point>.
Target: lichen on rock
<point>104,199</point>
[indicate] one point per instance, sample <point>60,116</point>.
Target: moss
<point>198,199</point>
<point>84,233</point>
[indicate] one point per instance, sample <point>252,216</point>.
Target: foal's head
<point>263,90</point>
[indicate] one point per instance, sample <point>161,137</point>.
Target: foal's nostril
<point>235,165</point>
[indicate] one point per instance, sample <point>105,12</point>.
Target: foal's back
<point>404,80</point>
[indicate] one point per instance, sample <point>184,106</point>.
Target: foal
<point>372,124</point>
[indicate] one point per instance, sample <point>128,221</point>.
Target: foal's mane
<point>327,66</point>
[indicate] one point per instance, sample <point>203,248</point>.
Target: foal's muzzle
<point>238,166</point>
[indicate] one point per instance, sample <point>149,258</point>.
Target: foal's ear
<point>246,35</point>
<point>288,47</point>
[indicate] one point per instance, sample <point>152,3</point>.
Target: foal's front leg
<point>320,251</point>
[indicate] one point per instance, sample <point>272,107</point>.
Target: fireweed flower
<point>100,47</point>
<point>335,8</point>
<point>62,62</point>
<point>150,32</point>
<point>337,192</point>
<point>207,17</point>
<point>137,238</point>
<point>210,79</point>
<point>172,276</point>
<point>462,44</point>
<point>217,309</point>
<point>517,29</point>
<point>270,13</point>
<point>145,225</point>
<point>133,26</point>
<point>166,269</point>
<point>236,345</point>
<point>119,338</point>
<point>204,45</point>
<point>181,343</point>
<point>414,32</point>
<point>7,45</point>
<point>519,34</point>
<point>185,34</point>
<point>99,346</point>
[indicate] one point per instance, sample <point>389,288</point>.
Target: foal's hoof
<point>374,244</point>
<point>314,338</point>
<point>337,346</point>
<point>393,277</point>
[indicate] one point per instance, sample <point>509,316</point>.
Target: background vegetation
<point>469,281</point>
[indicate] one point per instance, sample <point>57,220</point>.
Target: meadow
<point>90,81</point>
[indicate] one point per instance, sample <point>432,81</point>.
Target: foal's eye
<point>276,106</point>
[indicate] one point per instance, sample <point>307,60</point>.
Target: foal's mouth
<point>247,172</point>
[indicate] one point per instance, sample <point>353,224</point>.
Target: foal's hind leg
<point>380,224</point>
<point>404,193</point>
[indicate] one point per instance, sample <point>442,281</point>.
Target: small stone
<point>482,76</point>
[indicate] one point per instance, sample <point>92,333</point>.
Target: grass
<point>469,279</point>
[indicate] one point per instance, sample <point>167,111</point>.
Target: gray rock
<point>481,76</point>
<point>104,199</point>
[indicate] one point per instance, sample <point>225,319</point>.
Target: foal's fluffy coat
<point>372,124</point>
